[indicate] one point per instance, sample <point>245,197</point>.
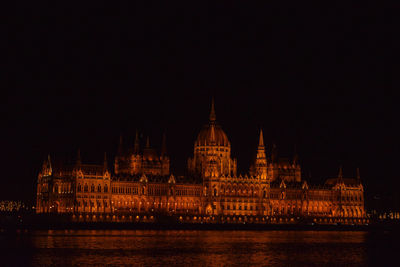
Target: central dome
<point>212,151</point>
<point>212,134</point>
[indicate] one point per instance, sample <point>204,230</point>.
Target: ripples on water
<point>195,248</point>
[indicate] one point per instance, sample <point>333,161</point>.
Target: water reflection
<point>196,248</point>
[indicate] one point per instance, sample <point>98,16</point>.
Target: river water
<point>198,248</point>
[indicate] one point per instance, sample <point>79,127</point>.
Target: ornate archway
<point>209,209</point>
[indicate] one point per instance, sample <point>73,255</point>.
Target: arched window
<point>56,188</point>
<point>264,194</point>
<point>105,189</point>
<point>85,188</point>
<point>99,188</point>
<point>92,188</point>
<point>79,188</point>
<point>215,192</point>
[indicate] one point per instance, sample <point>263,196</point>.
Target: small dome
<point>212,133</point>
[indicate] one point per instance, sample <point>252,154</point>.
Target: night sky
<point>318,78</point>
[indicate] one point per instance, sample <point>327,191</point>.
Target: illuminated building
<point>142,187</point>
<point>132,162</point>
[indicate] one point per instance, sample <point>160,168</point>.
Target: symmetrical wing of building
<point>141,187</point>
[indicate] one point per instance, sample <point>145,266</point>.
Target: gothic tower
<point>259,169</point>
<point>212,151</point>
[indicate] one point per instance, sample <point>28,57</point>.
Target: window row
<point>92,188</point>
<point>91,204</point>
<point>124,190</point>
<point>239,207</point>
<point>187,192</point>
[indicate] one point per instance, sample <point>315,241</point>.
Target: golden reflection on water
<point>197,248</point>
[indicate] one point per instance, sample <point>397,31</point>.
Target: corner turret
<point>259,168</point>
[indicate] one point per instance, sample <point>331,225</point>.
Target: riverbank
<point>35,222</point>
<point>192,226</point>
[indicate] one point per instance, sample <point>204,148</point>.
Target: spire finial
<point>164,145</point>
<point>358,174</point>
<point>340,172</point>
<point>274,153</point>
<point>295,155</point>
<point>120,145</point>
<point>261,140</point>
<point>50,169</point>
<point>212,137</point>
<point>148,142</point>
<point>49,161</point>
<point>78,157</point>
<point>137,146</point>
<point>213,117</point>
<point>105,160</point>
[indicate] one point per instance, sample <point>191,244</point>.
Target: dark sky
<point>319,77</point>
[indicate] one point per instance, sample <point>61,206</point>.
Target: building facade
<point>141,187</point>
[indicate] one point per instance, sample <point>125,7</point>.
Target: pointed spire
<point>49,163</point>
<point>45,164</point>
<point>105,160</point>
<point>137,145</point>
<point>78,157</point>
<point>340,175</point>
<point>120,145</point>
<point>164,145</point>
<point>274,153</point>
<point>295,156</point>
<point>148,142</point>
<point>261,147</point>
<point>261,140</point>
<point>213,117</point>
<point>46,167</point>
<point>212,137</point>
<point>358,174</point>
<point>259,168</point>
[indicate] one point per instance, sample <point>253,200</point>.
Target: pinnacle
<point>340,172</point>
<point>213,117</point>
<point>148,142</point>
<point>261,140</point>
<point>212,139</point>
